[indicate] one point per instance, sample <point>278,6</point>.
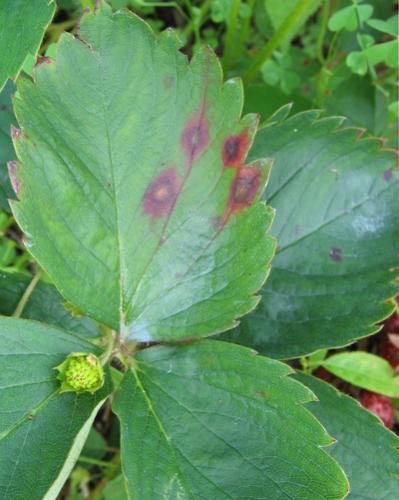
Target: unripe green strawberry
<point>80,372</point>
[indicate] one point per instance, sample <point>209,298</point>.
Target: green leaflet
<point>95,445</point>
<point>44,304</point>
<point>357,99</point>
<point>336,205</point>
<point>22,27</point>
<point>115,489</point>
<point>41,431</point>
<point>213,420</point>
<point>133,194</point>
<point>389,26</point>
<point>349,17</point>
<point>367,451</point>
<point>365,370</point>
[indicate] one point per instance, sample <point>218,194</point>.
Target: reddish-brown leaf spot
<point>261,393</point>
<point>195,137</point>
<point>388,174</point>
<point>168,81</point>
<point>161,193</point>
<point>12,173</point>
<point>244,188</point>
<point>43,60</point>
<point>15,132</point>
<point>336,254</point>
<point>235,149</point>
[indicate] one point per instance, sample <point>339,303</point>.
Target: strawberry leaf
<point>367,451</point>
<point>213,420</point>
<point>41,431</point>
<point>337,229</point>
<point>22,27</point>
<point>133,192</point>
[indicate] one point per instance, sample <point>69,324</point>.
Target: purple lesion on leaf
<point>195,137</point>
<point>388,174</point>
<point>244,188</point>
<point>13,167</point>
<point>168,81</point>
<point>336,254</point>
<point>43,60</point>
<point>235,149</point>
<point>15,132</point>
<point>160,196</point>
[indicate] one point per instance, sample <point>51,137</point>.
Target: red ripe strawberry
<point>379,405</point>
<point>389,349</point>
<point>323,374</point>
<point>391,324</point>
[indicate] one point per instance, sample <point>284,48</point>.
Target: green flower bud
<point>80,372</point>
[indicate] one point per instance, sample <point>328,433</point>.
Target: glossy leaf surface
<point>367,451</point>
<point>213,420</point>
<point>133,193</point>
<point>22,27</point>
<point>41,431</point>
<point>44,304</point>
<point>336,223</point>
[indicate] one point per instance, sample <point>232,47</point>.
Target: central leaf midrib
<point>160,426</point>
<point>186,175</point>
<point>113,187</point>
<point>245,459</point>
